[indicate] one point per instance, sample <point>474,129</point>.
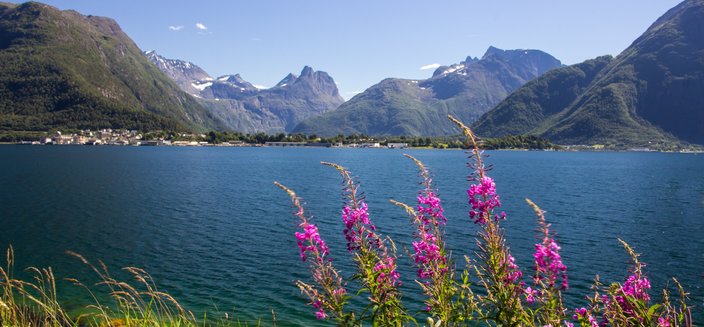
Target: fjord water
<point>214,231</point>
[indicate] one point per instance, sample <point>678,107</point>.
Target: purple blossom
<point>531,294</point>
<point>357,226</point>
<point>310,241</point>
<point>662,322</point>
<point>582,313</point>
<point>637,287</point>
<point>513,273</point>
<point>388,276</point>
<point>429,206</point>
<point>483,199</point>
<point>548,263</point>
<point>320,314</point>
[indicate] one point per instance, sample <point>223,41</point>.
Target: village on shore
<point>135,138</point>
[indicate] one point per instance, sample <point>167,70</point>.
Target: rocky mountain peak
<point>289,79</point>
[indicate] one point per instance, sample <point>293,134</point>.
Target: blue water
<point>214,231</point>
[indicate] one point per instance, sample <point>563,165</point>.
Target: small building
<point>284,144</point>
<point>397,145</point>
<point>319,144</point>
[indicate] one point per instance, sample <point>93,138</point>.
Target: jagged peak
<point>307,71</point>
<point>491,51</point>
<point>290,78</point>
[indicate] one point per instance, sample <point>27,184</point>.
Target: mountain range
<point>61,69</point>
<point>649,95</point>
<point>243,107</point>
<point>419,107</point>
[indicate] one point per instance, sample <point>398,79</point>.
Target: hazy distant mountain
<point>60,69</point>
<point>419,107</point>
<point>243,107</point>
<point>649,94</point>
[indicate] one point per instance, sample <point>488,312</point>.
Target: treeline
<point>530,142</point>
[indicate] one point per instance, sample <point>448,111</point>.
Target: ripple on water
<point>213,230</point>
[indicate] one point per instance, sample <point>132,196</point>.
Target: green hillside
<point>649,95</point>
<point>60,69</point>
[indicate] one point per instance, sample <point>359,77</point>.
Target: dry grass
<point>137,302</point>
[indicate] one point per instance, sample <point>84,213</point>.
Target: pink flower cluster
<point>312,238</point>
<point>357,224</point>
<point>483,199</point>
<point>427,250</point>
<point>388,277</point>
<point>426,253</point>
<point>320,314</point>
<point>429,206</point>
<point>637,287</point>
<point>662,322</point>
<point>582,313</point>
<point>549,263</point>
<point>531,294</point>
<point>513,273</point>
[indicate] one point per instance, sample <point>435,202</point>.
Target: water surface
<point>214,231</point>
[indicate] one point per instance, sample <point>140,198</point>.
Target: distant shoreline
<point>584,149</point>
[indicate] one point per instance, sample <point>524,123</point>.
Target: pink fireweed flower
<point>310,241</point>
<point>514,273</point>
<point>327,292</point>
<point>358,227</point>
<point>429,207</point>
<point>637,287</point>
<point>530,295</point>
<point>483,200</point>
<point>388,277</point>
<point>427,254</point>
<point>548,263</point>
<point>662,322</point>
<point>582,314</point>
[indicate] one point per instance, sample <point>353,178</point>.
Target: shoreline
<point>578,149</point>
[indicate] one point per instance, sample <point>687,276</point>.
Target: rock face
<point>649,94</point>
<point>181,72</point>
<point>246,108</point>
<point>419,107</point>
<point>61,69</point>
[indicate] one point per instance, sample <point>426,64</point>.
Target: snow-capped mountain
<point>246,108</point>
<point>189,77</point>
<point>419,107</point>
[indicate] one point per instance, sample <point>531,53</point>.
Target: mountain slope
<point>649,94</point>
<point>419,107</point>
<point>243,107</point>
<point>60,69</point>
<point>542,98</point>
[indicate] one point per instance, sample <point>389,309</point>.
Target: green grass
<point>133,303</point>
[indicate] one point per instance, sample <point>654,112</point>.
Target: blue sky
<point>362,42</point>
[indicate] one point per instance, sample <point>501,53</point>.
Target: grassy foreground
<point>131,303</point>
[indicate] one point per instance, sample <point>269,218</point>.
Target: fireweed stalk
<point>327,294</point>
<point>433,263</point>
<point>496,269</point>
<point>498,298</point>
<point>550,276</point>
<point>375,261</point>
<point>628,304</point>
